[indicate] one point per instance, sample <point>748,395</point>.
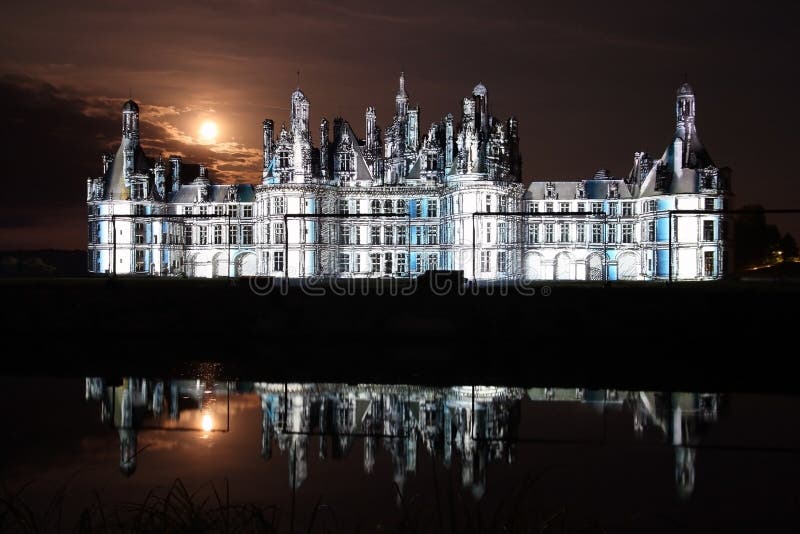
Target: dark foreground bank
<point>719,336</point>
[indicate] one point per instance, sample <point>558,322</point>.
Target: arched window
<point>401,206</point>
<point>387,206</point>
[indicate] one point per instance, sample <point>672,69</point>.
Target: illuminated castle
<point>398,203</point>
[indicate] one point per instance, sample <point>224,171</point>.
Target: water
<point>402,457</point>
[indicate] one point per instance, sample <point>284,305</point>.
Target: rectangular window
<point>387,263</point>
<point>533,207</point>
<point>219,211</point>
<point>581,206</point>
<point>375,260</point>
<point>203,210</point>
<point>138,231</point>
<point>651,230</point>
<point>420,236</point>
<point>267,234</point>
<point>533,233</point>
<point>187,235</point>
<point>344,235</point>
<point>433,262</point>
<point>279,203</point>
<point>597,233</point>
<point>488,203</point>
<point>187,210</point>
<point>344,262</point>
<point>277,261</point>
<point>627,209</point>
<point>344,208</point>
<point>597,207</point>
<point>433,235</point>
<point>503,203</point>
<point>548,233</point>
<point>708,263</point>
<point>502,233</point>
<point>486,258</point>
<point>612,233</point>
<point>580,230</point>
<point>137,191</point>
<point>138,210</point>
<point>548,207</point>
<point>402,235</point>
<point>388,235</point>
<point>708,230</point>
<point>247,210</point>
<point>375,235</point>
<point>233,234</point>
<point>139,260</point>
<point>357,263</point>
<point>247,235</point>
<point>203,235</point>
<point>627,233</point>
<point>418,210</point>
<point>401,263</point>
<point>564,229</point>
<point>709,204</point>
<point>612,209</point>
<point>564,207</point>
<point>433,208</point>
<point>233,211</point>
<point>279,233</point>
<point>501,261</point>
<point>265,261</point>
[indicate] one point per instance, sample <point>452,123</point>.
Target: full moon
<point>209,130</point>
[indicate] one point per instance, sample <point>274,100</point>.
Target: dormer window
<point>433,162</point>
<point>283,160</point>
<point>345,162</point>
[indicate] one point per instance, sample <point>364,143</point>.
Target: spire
<point>401,100</point>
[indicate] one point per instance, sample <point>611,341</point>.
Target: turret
<point>175,168</point>
<point>323,148</point>
<point>130,136</point>
<point>160,173</point>
<point>300,114</point>
<point>107,159</point>
<point>372,133</point>
<point>685,105</point>
<point>269,129</point>
<point>401,99</point>
<point>481,96</point>
<point>412,129</point>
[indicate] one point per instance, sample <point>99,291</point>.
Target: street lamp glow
<point>206,423</point>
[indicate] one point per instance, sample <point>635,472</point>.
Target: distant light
<point>209,130</point>
<point>206,423</point>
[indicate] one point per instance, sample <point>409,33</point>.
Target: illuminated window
<point>627,233</point>
<point>502,259</point>
<point>433,235</point>
<point>533,233</point>
<point>401,235</point>
<point>597,233</point>
<point>247,235</point>
<point>344,262</point>
<point>708,230</point>
<point>486,258</point>
<point>279,234</point>
<point>277,261</point>
<point>627,209</point>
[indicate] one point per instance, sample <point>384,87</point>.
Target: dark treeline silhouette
<point>42,263</point>
<point>758,243</point>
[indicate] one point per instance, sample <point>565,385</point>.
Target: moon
<point>209,130</point>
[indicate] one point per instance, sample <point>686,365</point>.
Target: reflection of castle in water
<point>128,403</point>
<point>474,426</point>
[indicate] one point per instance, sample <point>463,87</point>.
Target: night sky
<point>591,83</point>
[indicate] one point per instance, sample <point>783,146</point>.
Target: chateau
<point>399,202</point>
